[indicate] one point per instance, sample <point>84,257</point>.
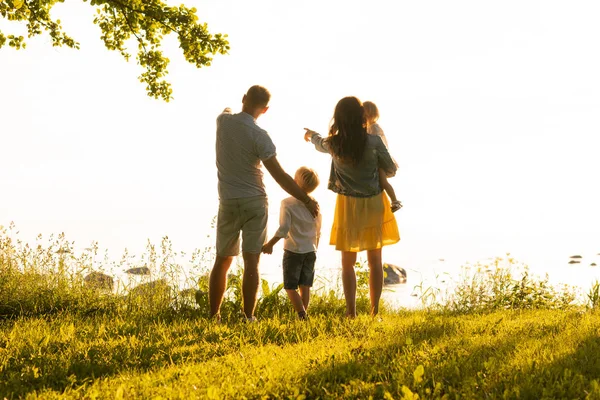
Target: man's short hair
<point>258,96</point>
<point>310,179</point>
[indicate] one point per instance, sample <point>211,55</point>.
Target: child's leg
<point>385,185</point>
<point>305,294</point>
<point>296,300</point>
<point>292,268</point>
<point>307,277</point>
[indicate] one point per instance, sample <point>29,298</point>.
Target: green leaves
<point>147,22</point>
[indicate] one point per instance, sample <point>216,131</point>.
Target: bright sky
<point>490,108</point>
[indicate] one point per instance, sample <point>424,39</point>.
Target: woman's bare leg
<point>349,282</point>
<point>375,278</point>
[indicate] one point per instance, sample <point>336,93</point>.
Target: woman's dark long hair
<point>348,132</point>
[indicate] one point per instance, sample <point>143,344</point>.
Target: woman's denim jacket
<point>362,179</point>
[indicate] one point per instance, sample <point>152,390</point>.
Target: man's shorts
<point>298,269</point>
<point>246,215</point>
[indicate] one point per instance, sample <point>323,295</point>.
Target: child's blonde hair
<point>371,112</point>
<point>308,177</point>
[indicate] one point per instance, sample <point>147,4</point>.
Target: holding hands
<point>267,248</point>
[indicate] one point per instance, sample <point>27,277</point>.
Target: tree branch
<point>122,5</point>
<point>140,41</point>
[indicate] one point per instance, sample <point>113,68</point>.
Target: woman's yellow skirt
<point>363,223</point>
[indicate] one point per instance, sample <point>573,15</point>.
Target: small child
<point>373,128</point>
<point>301,232</point>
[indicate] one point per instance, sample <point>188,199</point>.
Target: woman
<point>363,218</point>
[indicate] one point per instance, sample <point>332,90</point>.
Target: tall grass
<point>49,277</point>
<point>506,284</point>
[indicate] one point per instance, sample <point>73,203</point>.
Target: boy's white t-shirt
<point>298,227</point>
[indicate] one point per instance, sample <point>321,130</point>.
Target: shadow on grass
<point>92,353</point>
<point>370,367</point>
<point>570,376</point>
<point>125,345</point>
<point>454,366</point>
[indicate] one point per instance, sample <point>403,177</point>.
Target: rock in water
<point>98,280</point>
<point>138,271</point>
<point>393,274</point>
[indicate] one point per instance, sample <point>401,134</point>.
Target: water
<point>429,263</point>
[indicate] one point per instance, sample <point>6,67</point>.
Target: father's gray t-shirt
<point>241,146</point>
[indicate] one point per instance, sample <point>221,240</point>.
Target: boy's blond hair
<point>371,112</point>
<point>308,177</point>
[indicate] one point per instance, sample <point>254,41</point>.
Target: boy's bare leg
<point>250,282</point>
<point>305,294</point>
<point>296,300</point>
<point>349,282</point>
<point>385,185</point>
<point>217,283</point>
<point>375,279</point>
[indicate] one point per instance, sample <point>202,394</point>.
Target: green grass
<point>501,333</point>
<point>505,354</point>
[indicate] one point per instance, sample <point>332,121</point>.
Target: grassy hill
<point>500,334</point>
<point>531,354</point>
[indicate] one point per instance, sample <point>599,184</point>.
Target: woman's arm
<point>384,160</point>
<point>316,139</point>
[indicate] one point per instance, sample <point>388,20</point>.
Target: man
<point>241,146</point>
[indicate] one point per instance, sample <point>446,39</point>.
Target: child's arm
<point>285,221</point>
<point>268,247</point>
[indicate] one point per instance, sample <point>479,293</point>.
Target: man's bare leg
<point>250,282</point>
<point>218,283</point>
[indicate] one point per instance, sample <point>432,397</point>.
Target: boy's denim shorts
<point>298,269</point>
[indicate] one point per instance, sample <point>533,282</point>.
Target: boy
<point>301,232</point>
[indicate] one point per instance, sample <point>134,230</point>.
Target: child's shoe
<point>396,205</point>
